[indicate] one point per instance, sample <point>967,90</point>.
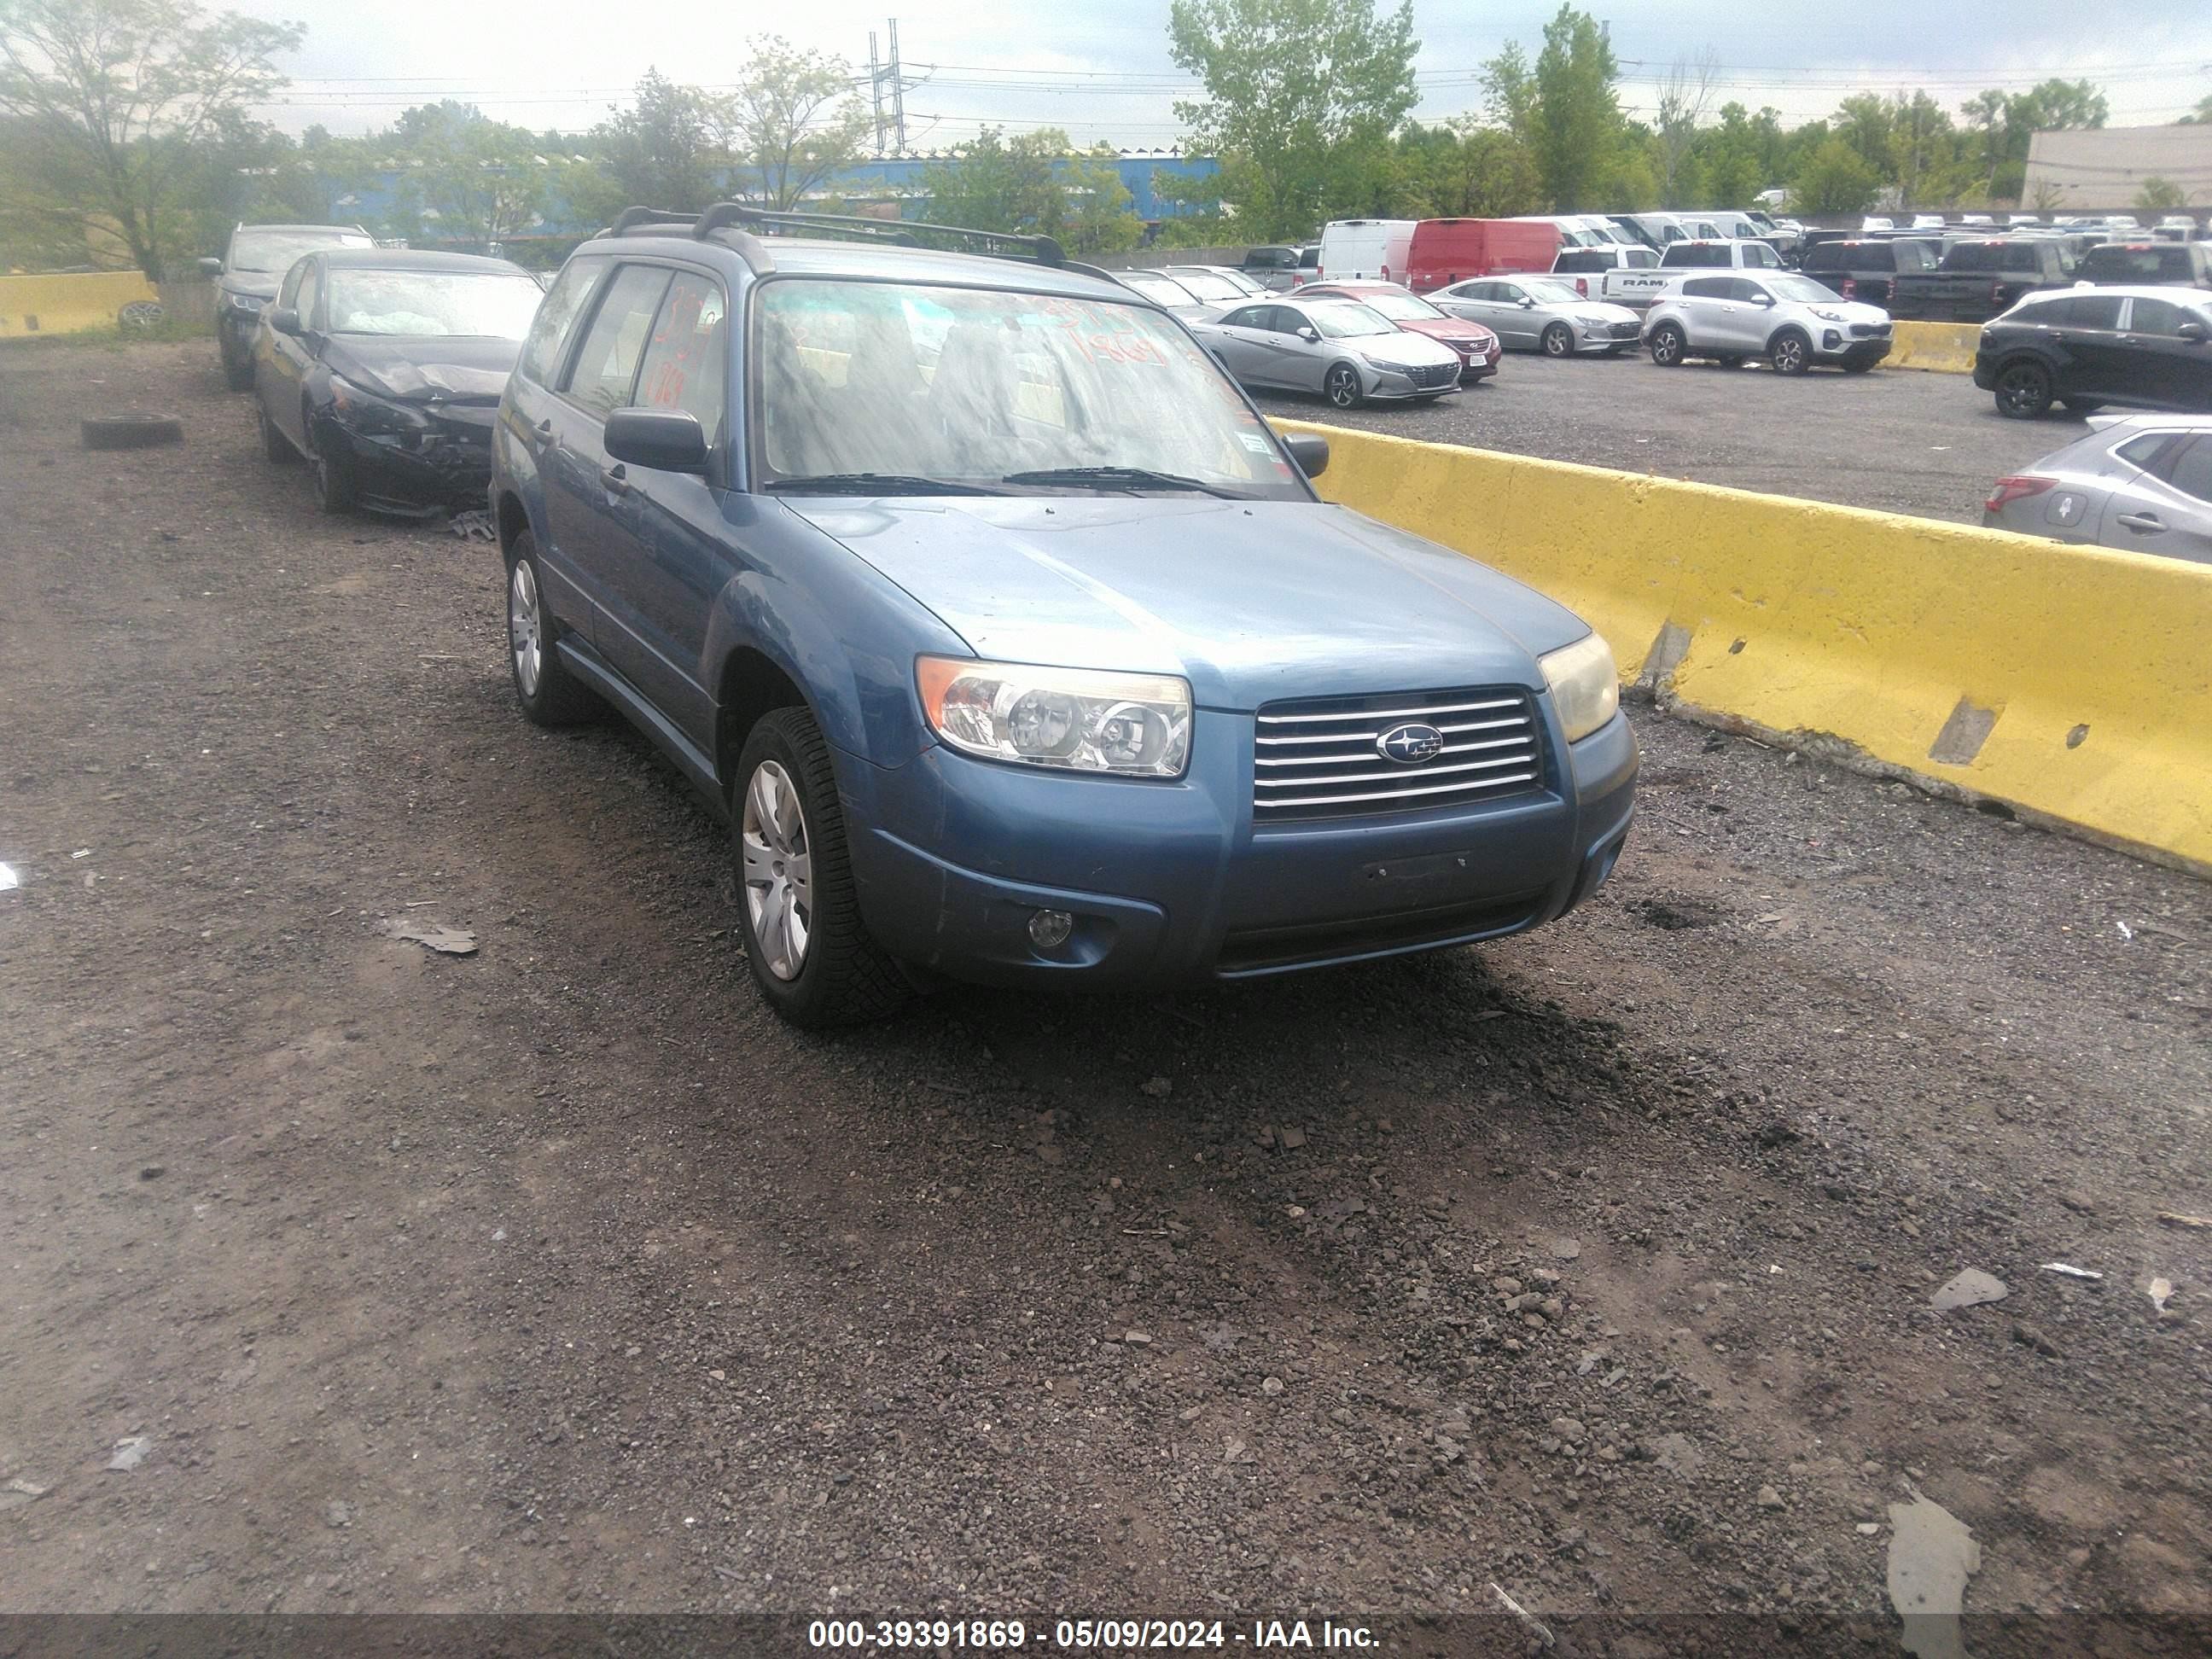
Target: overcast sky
<point>1104,71</point>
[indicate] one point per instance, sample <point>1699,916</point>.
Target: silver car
<point>1345,351</point>
<point>2139,482</point>
<point>1541,313</point>
<point>1217,284</point>
<point>1163,291</point>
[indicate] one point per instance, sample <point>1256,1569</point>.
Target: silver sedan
<point>2142,482</point>
<point>1541,313</point>
<point>1342,350</point>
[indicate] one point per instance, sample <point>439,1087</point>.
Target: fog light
<point>1830,340</point>
<point>1049,929</point>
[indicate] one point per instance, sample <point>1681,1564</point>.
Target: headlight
<point>1828,316</point>
<point>1382,365</point>
<point>1593,322</point>
<point>366,412</point>
<point>1585,685</point>
<point>1080,718</point>
<point>250,304</point>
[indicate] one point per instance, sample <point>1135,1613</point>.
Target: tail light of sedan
<point>2017,487</point>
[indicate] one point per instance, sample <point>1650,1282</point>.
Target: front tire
<point>797,905</point>
<point>1790,352</point>
<point>335,492</point>
<point>1341,388</point>
<point>2023,391</point>
<point>1559,341</point>
<point>1669,346</point>
<point>237,371</point>
<point>550,694</point>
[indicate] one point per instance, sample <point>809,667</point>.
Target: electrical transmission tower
<point>887,85</point>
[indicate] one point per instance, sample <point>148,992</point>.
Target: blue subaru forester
<point>1014,643</point>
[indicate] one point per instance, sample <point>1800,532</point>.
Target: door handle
<point>616,478</point>
<point>2148,523</point>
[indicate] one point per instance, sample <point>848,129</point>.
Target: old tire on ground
<point>1559,341</point>
<point>805,942</point>
<point>1790,352</point>
<point>1669,346</point>
<point>2023,391</point>
<point>275,446</point>
<point>1341,388</point>
<point>550,694</point>
<point>140,314</point>
<point>135,430</point>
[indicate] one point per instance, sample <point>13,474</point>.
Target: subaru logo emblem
<point>1409,745</point>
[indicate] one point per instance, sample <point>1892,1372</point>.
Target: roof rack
<point>739,220</point>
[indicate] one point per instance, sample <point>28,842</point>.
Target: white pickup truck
<point>1641,290</point>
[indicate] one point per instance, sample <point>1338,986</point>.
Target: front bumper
<point>447,468</point>
<point>1173,883</point>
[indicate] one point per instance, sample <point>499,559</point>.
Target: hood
<point>1594,306</point>
<point>1451,328</point>
<point>1250,601</point>
<point>1409,351</point>
<point>446,368</point>
<point>252,283</point>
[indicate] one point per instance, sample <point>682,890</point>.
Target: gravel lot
<point>561,1277</point>
<point>1898,439</point>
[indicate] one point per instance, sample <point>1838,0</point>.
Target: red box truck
<point>1454,249</point>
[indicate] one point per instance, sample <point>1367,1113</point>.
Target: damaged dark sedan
<point>384,369</point>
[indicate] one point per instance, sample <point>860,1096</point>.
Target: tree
<point>1683,97</point>
<point>2201,116</point>
<point>1834,178</point>
<point>793,120</point>
<point>1032,183</point>
<point>108,99</point>
<point>1922,152</point>
<point>663,151</point>
<point>1564,108</point>
<point>2157,192</point>
<point>1301,98</point>
<point>1862,121</point>
<point>480,181</point>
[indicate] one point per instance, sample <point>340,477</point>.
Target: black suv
<point>1866,268</point>
<point>246,278</point>
<point>2148,347</point>
<point>2167,264</point>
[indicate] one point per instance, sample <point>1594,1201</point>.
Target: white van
<point>1364,249</point>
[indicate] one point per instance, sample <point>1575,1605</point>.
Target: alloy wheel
<point>526,636</point>
<point>1789,354</point>
<point>1665,348</point>
<point>1558,342</point>
<point>779,871</point>
<point>2023,391</point>
<point>1343,387</point>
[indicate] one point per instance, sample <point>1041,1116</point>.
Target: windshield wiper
<point>879,483</point>
<point>1121,477</point>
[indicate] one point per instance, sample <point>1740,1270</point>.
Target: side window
<point>2093,311</point>
<point>1749,292</point>
<point>2144,451</point>
<point>1247,316</point>
<point>606,367</point>
<point>1284,321</point>
<point>2156,317</point>
<point>1758,253</point>
<point>2191,471</point>
<point>311,288</point>
<point>1641,258</point>
<point>556,314</point>
<point>1706,288</point>
<point>684,365</point>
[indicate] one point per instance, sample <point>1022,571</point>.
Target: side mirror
<point>284,320</point>
<point>1527,304</point>
<point>1309,334</point>
<point>1765,301</point>
<point>210,267</point>
<point>1309,450</point>
<point>2193,332</point>
<point>667,440</point>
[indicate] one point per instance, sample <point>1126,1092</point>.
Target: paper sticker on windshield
<point>1255,443</point>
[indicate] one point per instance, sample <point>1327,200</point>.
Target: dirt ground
<point>564,1278</point>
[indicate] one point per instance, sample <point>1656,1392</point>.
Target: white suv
<point>1790,320</point>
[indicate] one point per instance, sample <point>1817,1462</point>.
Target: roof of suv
<point>412,258</point>
<point>2174,291</point>
<point>797,256</point>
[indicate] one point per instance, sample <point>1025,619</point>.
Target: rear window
<point>1686,253</point>
<point>2119,262</point>
<point>2144,451</point>
<point>1974,255</point>
<point>1582,258</point>
<point>1640,259</point>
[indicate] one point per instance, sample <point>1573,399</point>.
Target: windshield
<point>1551,294</point>
<point>1790,286</point>
<point>1160,290</point>
<point>1399,307</point>
<point>1347,319</point>
<point>972,385</point>
<point>488,304</point>
<point>1207,286</point>
<point>273,251</point>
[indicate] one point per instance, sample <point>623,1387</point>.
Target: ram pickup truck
<point>1977,281</point>
<point>1868,269</point>
<point>1640,289</point>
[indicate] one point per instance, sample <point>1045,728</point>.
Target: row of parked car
<point>1013,643</point>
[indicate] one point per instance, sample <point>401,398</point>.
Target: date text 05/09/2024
<point>1088,1635</point>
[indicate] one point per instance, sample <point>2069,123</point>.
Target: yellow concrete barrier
<point>2073,684</point>
<point>1947,348</point>
<point>70,302</point>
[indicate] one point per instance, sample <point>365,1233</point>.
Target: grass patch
<point>170,330</point>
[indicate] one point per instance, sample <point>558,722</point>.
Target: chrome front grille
<point>1628,330</point>
<point>1433,374</point>
<point>1320,757</point>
